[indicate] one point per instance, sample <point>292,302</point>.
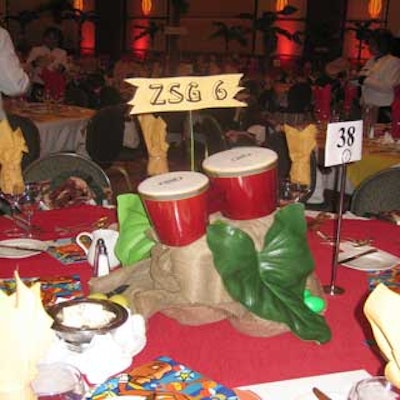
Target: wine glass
<point>375,388</point>
<point>28,203</point>
<point>12,200</point>
<point>292,192</point>
<point>58,381</point>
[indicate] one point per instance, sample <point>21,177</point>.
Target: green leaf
<point>132,245</point>
<point>270,283</point>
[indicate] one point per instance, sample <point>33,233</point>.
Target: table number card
<point>343,143</point>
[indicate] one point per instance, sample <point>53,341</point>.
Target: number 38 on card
<point>343,142</point>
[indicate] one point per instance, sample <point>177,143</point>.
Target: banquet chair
<point>104,141</point>
<point>31,136</point>
<point>208,135</point>
<point>377,193</point>
<point>58,166</point>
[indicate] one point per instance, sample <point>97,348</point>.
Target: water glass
<point>29,202</point>
<point>58,381</point>
<point>375,388</point>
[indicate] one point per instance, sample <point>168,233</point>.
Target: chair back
<point>377,193</point>
<point>31,136</point>
<point>57,165</point>
<point>105,134</point>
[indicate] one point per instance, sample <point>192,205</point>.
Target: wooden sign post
<point>185,93</point>
<point>343,145</point>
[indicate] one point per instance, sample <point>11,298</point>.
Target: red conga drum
<point>247,178</point>
<point>176,203</point>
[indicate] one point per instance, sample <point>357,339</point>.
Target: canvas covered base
<point>182,283</point>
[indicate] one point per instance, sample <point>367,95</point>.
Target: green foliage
<point>266,25</point>
<point>230,33</point>
<point>270,283</point>
<point>133,244</point>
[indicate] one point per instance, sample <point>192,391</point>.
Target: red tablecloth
<point>218,350</point>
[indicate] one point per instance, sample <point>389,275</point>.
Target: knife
<point>351,258</point>
<point>320,395</point>
<point>22,248</point>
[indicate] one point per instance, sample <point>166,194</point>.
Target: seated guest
<point>48,58</point>
<point>299,96</point>
<point>380,75</point>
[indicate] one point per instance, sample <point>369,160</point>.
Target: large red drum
<point>176,203</point>
<point>247,178</point>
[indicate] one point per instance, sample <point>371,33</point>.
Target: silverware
<point>22,248</point>
<point>22,223</point>
<point>102,222</point>
<point>319,394</point>
<point>364,253</point>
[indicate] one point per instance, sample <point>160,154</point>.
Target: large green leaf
<point>270,283</point>
<point>133,244</point>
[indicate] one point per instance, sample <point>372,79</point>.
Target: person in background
<point>13,79</point>
<point>380,75</point>
<point>48,56</point>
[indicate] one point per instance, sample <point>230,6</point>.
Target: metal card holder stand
<point>332,289</point>
<point>343,145</point>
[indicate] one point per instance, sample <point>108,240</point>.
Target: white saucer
<point>37,245</point>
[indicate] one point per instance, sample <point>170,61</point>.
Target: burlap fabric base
<point>182,283</point>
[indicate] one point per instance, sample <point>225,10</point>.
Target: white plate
<point>379,261</point>
<point>14,253</point>
<point>336,385</point>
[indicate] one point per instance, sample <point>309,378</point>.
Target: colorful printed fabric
<point>391,278</point>
<point>163,379</point>
<point>52,288</point>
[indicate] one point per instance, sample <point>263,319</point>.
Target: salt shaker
<point>101,261</point>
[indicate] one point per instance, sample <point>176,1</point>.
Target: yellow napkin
<point>25,335</point>
<point>12,147</point>
<point>381,309</point>
<point>155,133</point>
<point>300,143</point>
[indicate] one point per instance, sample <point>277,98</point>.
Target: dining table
<point>61,126</point>
<point>217,349</point>
<point>378,153</point>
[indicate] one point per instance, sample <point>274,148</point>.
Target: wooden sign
<point>343,143</point>
<point>184,93</point>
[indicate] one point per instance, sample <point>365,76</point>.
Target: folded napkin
<point>25,335</point>
<point>133,244</point>
<point>155,133</point>
<point>301,142</point>
<point>380,309</point>
<point>107,354</point>
<point>12,147</point>
<point>387,138</point>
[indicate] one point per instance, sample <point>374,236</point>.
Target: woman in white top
<point>49,55</point>
<point>380,75</point>
<point>13,79</point>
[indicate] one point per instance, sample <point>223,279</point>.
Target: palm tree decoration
<point>80,17</point>
<point>266,24</point>
<point>150,30</point>
<point>230,33</point>
<point>363,31</point>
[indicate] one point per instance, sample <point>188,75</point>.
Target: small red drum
<point>247,178</point>
<point>176,204</point>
